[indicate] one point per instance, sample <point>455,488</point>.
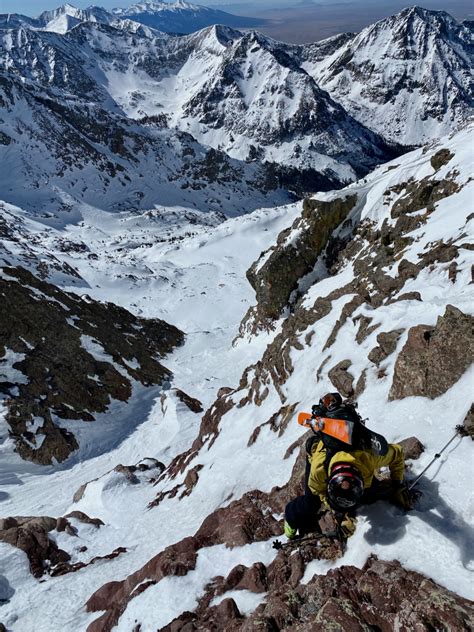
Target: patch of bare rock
<point>381,596</point>
<point>30,534</point>
<point>434,358</point>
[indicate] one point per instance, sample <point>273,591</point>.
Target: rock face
<point>380,596</point>
<point>434,358</point>
<point>65,356</point>
<point>276,274</point>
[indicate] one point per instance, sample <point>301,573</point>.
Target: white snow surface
<point>191,272</point>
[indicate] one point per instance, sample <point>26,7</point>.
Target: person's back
<point>340,477</point>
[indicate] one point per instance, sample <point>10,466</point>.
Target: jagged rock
<point>191,402</point>
<point>434,358</point>
<point>54,334</point>
<point>242,522</point>
<point>348,309</point>
<point>341,378</point>
<point>442,252</point>
<point>468,422</point>
<point>30,534</point>
<point>275,278</point>
<point>387,344</point>
<point>407,296</point>
<point>423,194</point>
<point>82,517</point>
<point>128,471</point>
<point>382,595</point>
<point>441,158</point>
<point>412,448</point>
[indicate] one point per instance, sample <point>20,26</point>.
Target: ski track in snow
<point>198,283</point>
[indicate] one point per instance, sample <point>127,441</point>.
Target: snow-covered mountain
<point>131,105</point>
<point>65,139</point>
<point>177,520</point>
<point>182,17</point>
<point>59,20</point>
<point>409,77</point>
<point>177,17</point>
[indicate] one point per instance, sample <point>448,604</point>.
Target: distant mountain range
<point>115,113</point>
<point>178,17</point>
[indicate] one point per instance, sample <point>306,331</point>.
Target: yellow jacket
<point>364,461</point>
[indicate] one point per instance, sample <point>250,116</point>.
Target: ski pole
<point>436,456</point>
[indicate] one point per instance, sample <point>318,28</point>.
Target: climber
<point>341,477</point>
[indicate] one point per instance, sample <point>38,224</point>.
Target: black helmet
<point>330,401</point>
<point>345,487</point>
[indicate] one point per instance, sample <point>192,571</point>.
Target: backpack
<point>362,437</point>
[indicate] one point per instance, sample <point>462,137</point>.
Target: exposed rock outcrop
<point>434,358</point>
<point>67,357</point>
<point>380,596</point>
<point>30,535</point>
<point>275,275</point>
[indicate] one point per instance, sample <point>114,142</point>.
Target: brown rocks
<point>192,403</point>
<point>423,194</point>
<point>342,379</point>
<point>412,448</point>
<point>387,344</point>
<point>30,534</point>
<point>441,158</point>
<point>468,423</point>
<point>242,522</point>
<point>434,358</point>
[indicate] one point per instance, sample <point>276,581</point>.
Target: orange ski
<point>338,428</point>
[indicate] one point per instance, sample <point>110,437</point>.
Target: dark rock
<point>441,252</point>
<point>407,296</point>
<point>192,403</point>
<point>412,448</point>
<point>423,194</point>
<point>441,158</point>
<point>275,280</point>
<point>408,270</point>
<point>387,344</point>
<point>47,326</point>
<point>342,379</point>
<point>468,422</point>
<point>434,358</point>
<point>30,535</point>
<point>128,472</point>
<point>82,517</point>
<point>380,596</point>
<point>348,309</point>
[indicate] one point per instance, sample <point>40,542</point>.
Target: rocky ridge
<point>66,358</point>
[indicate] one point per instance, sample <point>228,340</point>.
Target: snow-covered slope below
<point>408,77</point>
<point>407,260</point>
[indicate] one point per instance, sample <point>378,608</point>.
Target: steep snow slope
<point>408,77</point>
<point>226,462</point>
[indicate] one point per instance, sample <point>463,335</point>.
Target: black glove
<point>402,496</point>
<point>318,411</point>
